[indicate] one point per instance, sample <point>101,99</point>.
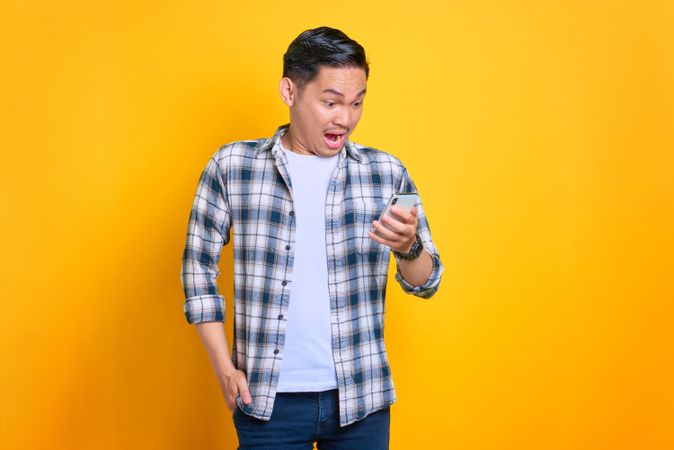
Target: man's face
<point>325,113</point>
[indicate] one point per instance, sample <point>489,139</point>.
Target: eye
<point>357,104</point>
<point>329,103</point>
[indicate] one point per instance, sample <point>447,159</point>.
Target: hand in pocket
<point>233,384</point>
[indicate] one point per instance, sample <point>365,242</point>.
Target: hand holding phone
<point>404,200</point>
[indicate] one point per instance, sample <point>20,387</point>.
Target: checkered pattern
<point>245,188</point>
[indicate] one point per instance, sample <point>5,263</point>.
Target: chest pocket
<point>365,213</point>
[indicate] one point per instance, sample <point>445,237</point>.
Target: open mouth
<point>333,140</point>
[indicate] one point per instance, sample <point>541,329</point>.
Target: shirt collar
<point>348,148</point>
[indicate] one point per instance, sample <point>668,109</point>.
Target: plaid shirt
<point>246,188</point>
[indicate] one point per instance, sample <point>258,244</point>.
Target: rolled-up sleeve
<point>207,231</point>
<point>428,289</point>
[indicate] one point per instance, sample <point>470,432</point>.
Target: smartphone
<point>404,200</point>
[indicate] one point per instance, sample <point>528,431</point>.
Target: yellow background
<point>541,138</point>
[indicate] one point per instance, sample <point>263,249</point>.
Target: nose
<point>342,117</point>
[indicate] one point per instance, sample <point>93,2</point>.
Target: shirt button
<point>280,316</point>
<point>284,282</point>
<point>275,351</point>
<point>292,213</point>
<point>287,247</point>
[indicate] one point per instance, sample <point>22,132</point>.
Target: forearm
<point>418,270</point>
<point>215,340</point>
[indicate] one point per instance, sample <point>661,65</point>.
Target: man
<point>308,358</point>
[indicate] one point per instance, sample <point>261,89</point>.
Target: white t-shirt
<point>307,363</point>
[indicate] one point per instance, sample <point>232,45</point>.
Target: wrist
<point>412,252</point>
<point>226,372</point>
<point>407,249</point>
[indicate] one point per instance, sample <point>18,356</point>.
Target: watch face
<point>414,251</point>
<point>418,246</point>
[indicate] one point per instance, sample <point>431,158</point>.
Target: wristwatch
<point>413,253</point>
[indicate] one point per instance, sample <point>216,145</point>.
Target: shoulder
<point>377,156</point>
<point>235,152</point>
<point>387,166</point>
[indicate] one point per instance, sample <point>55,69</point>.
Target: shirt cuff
<point>205,308</point>
<point>427,289</point>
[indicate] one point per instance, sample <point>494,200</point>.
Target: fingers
<point>397,229</point>
<point>394,225</point>
<point>386,236</point>
<point>242,384</point>
<point>391,228</point>
<point>237,385</point>
<point>404,216</point>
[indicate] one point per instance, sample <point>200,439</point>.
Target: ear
<point>287,89</point>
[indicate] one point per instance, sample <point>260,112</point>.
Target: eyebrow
<point>336,92</point>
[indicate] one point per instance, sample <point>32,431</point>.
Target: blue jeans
<point>299,419</point>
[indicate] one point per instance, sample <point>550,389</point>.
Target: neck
<point>288,140</point>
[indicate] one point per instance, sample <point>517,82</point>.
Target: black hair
<point>322,46</point>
